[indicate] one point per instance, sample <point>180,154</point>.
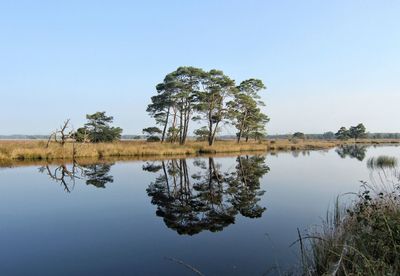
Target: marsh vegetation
<point>13,151</point>
<point>362,238</point>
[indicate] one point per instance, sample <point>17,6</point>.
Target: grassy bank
<point>37,150</point>
<point>363,239</point>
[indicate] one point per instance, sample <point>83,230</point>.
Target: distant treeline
<point>331,136</point>
<point>324,136</point>
<point>45,137</point>
<point>24,137</point>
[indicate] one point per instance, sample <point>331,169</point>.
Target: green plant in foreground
<point>361,240</point>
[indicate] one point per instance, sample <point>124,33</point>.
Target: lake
<point>228,215</point>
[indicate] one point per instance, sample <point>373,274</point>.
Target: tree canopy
<point>342,134</point>
<point>299,135</point>
<point>355,132</point>
<point>244,110</point>
<point>98,129</point>
<point>192,94</point>
<point>358,131</point>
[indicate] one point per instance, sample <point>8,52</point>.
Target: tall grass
<point>363,239</point>
<point>37,150</point>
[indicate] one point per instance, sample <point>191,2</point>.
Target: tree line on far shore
<point>354,132</point>
<point>98,129</point>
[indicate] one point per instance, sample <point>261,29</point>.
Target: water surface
<point>233,215</point>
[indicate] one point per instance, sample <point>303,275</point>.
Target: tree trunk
<point>165,126</point>
<point>180,126</point>
<point>174,135</point>
<point>239,136</point>
<point>186,124</point>
<point>211,142</point>
<point>210,130</point>
<point>240,131</point>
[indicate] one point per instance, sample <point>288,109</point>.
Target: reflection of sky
<point>115,230</point>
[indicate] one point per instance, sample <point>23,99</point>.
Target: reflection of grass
<point>382,162</point>
<point>364,240</point>
<point>36,150</point>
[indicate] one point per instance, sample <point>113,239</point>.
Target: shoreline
<point>31,150</point>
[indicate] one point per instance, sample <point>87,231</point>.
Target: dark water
<point>216,216</point>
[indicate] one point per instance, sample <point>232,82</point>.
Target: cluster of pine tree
<point>355,132</point>
<point>192,94</point>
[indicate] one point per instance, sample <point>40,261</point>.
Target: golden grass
<point>37,150</point>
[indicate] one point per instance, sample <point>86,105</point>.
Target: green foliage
<point>244,110</point>
<point>299,135</point>
<point>357,132</point>
<point>160,107</point>
<point>211,100</point>
<point>151,133</point>
<point>81,135</point>
<point>342,134</point>
<point>191,93</point>
<point>153,139</point>
<point>202,133</point>
<point>258,135</point>
<point>152,130</point>
<point>98,129</point>
<point>173,134</point>
<point>175,101</point>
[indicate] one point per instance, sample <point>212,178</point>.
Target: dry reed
<point>37,150</point>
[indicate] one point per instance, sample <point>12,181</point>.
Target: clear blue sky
<point>325,63</point>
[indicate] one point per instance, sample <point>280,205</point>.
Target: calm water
<point>221,216</point>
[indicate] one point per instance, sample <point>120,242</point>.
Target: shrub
<point>153,139</point>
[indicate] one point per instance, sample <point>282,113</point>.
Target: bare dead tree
<point>61,135</point>
<point>65,136</point>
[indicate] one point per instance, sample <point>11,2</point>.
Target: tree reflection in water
<point>98,174</point>
<point>296,153</point>
<point>207,199</point>
<point>93,174</point>
<point>352,151</point>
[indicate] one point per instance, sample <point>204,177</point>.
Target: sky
<point>326,64</point>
